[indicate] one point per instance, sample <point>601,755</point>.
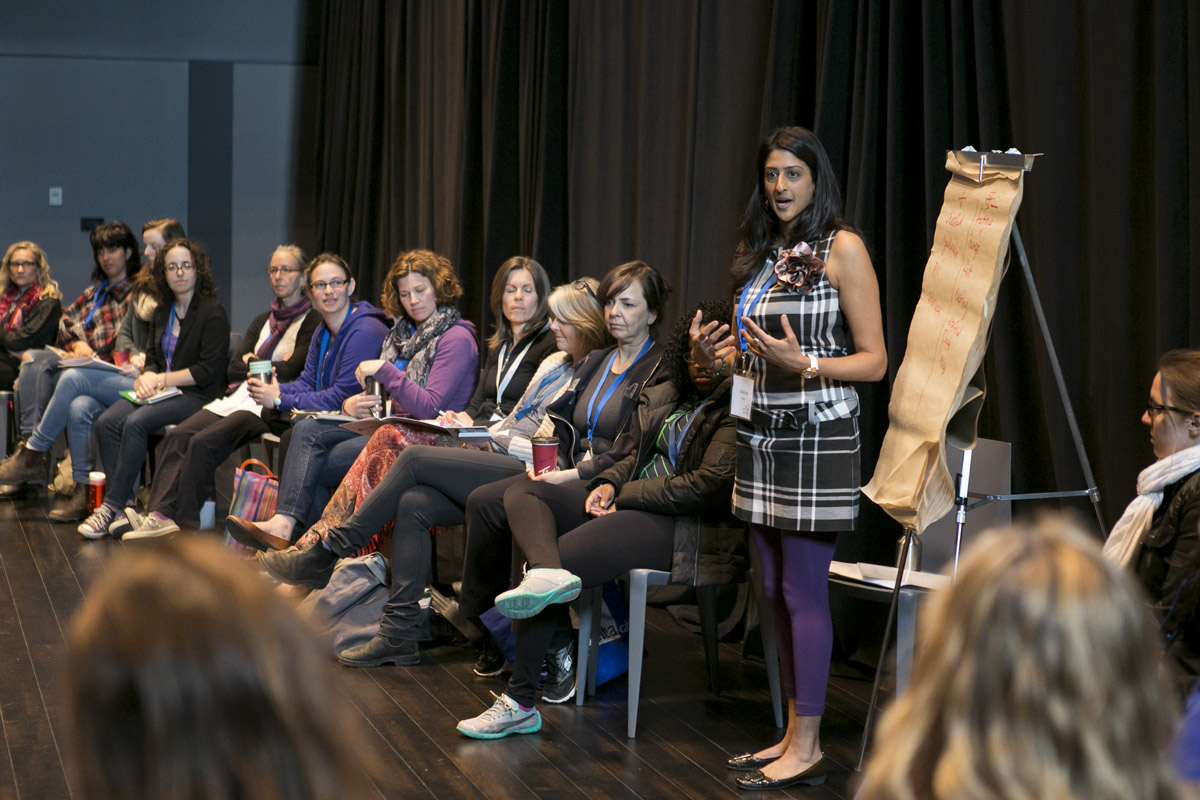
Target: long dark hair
<point>541,314</point>
<point>205,285</point>
<point>761,228</point>
<point>115,234</point>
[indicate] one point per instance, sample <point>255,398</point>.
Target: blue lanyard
<point>325,336</point>
<point>675,436</point>
<point>594,419</point>
<point>539,394</point>
<point>744,309</point>
<point>101,295</point>
<point>170,334</point>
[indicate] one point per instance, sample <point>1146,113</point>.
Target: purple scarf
<point>281,317</point>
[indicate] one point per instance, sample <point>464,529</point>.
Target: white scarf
<point>1132,526</point>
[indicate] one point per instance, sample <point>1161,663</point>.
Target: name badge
<point>740,396</point>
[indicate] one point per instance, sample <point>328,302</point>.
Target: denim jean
<point>317,451</point>
<point>80,397</point>
<point>35,385</point>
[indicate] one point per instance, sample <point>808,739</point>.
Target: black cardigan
<point>285,371</point>
<point>203,346</point>
<point>483,402</point>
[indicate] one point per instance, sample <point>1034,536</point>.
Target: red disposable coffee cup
<point>96,481</point>
<point>545,453</point>
<point>120,357</point>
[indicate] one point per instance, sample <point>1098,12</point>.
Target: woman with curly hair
<point>428,364</point>
<point>30,306</point>
<point>189,345</point>
<point>1038,678</point>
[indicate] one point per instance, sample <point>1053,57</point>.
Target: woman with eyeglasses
<point>74,397</point>
<point>520,294</point>
<point>30,307</point>
<point>185,368</point>
<point>190,454</point>
<point>428,486</point>
<point>88,327</point>
<point>428,362</point>
<point>1158,536</point>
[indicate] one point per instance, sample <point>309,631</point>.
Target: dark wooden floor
<point>684,734</point>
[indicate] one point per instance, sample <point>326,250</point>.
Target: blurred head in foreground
<point>1038,678</point>
<point>189,678</point>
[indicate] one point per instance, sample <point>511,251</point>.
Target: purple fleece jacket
<point>359,338</point>
<point>451,380</point>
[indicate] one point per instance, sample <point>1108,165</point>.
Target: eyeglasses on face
<point>1154,409</point>
<point>335,284</point>
<point>22,264</point>
<point>186,266</point>
<point>273,271</point>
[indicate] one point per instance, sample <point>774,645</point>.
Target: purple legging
<point>803,628</point>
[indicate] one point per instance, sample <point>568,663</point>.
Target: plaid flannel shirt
<point>101,332</point>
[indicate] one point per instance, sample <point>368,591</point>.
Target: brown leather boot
<point>23,466</point>
<point>72,507</point>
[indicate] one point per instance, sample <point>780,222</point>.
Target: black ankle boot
<point>311,567</point>
<point>380,651</point>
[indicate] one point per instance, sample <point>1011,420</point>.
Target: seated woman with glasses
<point>191,453</point>
<point>428,364</point>
<point>1158,536</point>
<point>522,340</point>
<point>429,486</point>
<point>30,307</point>
<point>88,326</point>
<point>184,369</point>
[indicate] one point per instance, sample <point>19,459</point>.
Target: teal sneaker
<point>503,718</point>
<point>539,588</point>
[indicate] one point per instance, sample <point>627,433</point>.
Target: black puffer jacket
<point>710,544</point>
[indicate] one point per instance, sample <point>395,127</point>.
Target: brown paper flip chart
<point>939,390</point>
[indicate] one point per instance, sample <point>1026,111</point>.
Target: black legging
<point>426,486</point>
<point>597,549</point>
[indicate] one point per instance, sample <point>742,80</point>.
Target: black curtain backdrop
<point>588,133</point>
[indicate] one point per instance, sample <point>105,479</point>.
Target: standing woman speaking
<point>807,323</point>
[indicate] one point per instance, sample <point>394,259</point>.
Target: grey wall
<point>141,110</point>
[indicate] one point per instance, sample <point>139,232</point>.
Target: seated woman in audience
<point>133,339</point>
<point>522,340</point>
<point>89,325</point>
<point>428,486</point>
<point>188,677</point>
<point>429,362</point>
<point>189,343</point>
<point>191,453</point>
<point>1158,536</point>
<point>30,307</point>
<point>1038,677</point>
<point>649,510</point>
<point>82,394</point>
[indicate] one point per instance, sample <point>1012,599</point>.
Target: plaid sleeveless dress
<point>798,455</point>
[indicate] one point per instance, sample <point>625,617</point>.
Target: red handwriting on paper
<point>954,219</point>
<point>949,246</point>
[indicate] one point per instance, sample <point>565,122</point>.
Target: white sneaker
<point>147,526</point>
<point>96,525</point>
<point>539,588</point>
<point>503,718</point>
<point>120,524</point>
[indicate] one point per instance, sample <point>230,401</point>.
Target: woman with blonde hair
<point>188,677</point>
<point>1038,678</point>
<point>30,307</point>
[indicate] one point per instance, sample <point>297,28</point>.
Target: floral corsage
<point>799,268</point>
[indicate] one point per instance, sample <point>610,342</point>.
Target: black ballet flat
<point>748,762</point>
<point>813,776</point>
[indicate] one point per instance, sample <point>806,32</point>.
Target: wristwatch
<point>812,370</point>
<point>278,401</point>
